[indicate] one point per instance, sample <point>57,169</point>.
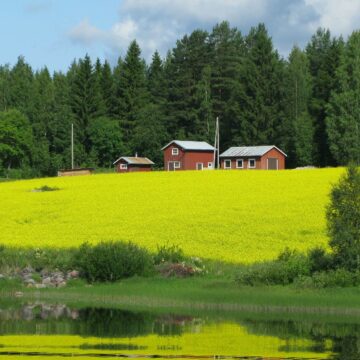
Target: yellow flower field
<point>237,216</point>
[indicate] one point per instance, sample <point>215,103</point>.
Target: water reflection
<point>43,330</point>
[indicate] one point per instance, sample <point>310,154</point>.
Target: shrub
<point>320,260</point>
<point>112,261</point>
<point>169,253</point>
<point>45,188</point>
<point>282,271</point>
<point>329,279</point>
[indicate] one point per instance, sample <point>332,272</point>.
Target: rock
<point>73,274</point>
<point>27,270</point>
<point>61,284</point>
<point>29,281</point>
<point>30,285</point>
<point>46,281</point>
<point>40,286</point>
<point>2,276</point>
<point>19,294</point>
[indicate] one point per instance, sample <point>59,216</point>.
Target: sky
<point>55,32</point>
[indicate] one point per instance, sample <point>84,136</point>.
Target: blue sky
<point>54,32</point>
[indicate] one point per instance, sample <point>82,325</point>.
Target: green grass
<point>206,294</point>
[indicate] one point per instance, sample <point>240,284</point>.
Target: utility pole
<point>216,144</point>
<point>72,146</point>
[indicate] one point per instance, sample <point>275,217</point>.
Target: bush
<point>112,261</point>
<point>320,260</point>
<point>288,266</point>
<point>329,279</point>
<point>169,253</point>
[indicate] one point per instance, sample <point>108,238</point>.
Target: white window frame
<point>123,166</point>
<point>252,167</point>
<point>202,166</point>
<point>174,151</point>
<point>242,163</point>
<point>177,164</point>
<point>227,167</point>
<point>210,165</point>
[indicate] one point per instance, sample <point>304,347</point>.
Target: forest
<point>307,104</point>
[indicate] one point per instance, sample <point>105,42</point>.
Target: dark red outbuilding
<point>188,155</point>
<point>133,163</point>
<point>265,157</point>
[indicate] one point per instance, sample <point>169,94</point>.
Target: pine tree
<point>85,102</point>
<point>261,94</point>
<point>227,50</point>
<point>4,87</point>
<point>343,111</point>
<point>131,90</point>
<point>108,90</point>
<point>323,54</point>
<point>298,125</point>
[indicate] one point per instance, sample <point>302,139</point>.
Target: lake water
<point>40,331</point>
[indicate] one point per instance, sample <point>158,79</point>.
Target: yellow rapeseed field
<point>237,216</point>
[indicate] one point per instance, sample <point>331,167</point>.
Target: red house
<point>131,164</point>
<point>266,157</point>
<point>188,155</point>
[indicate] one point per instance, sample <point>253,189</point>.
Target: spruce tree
<point>343,111</point>
<point>131,90</point>
<point>298,125</point>
<point>323,54</point>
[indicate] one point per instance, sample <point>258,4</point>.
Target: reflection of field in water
<point>43,330</point>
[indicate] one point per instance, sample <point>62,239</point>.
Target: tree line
<point>307,104</point>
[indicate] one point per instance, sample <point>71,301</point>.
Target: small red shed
<point>265,157</point>
<point>133,163</point>
<point>188,155</point>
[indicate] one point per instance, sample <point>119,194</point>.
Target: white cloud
<point>341,17</point>
<point>157,24</point>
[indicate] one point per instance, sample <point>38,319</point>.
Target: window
<point>239,163</point>
<point>123,166</point>
<point>174,151</point>
<point>210,165</point>
<point>252,164</point>
<point>227,164</point>
<point>176,164</point>
<point>199,166</point>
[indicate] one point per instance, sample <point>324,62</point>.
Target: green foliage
<point>320,260</point>
<point>329,279</point>
<point>169,254</point>
<point>112,261</point>
<point>283,271</point>
<point>45,188</point>
<point>343,220</point>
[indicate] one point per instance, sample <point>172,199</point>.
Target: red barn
<point>188,155</point>
<point>266,157</point>
<point>131,164</point>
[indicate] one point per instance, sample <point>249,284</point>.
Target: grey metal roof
<point>248,151</point>
<point>134,160</point>
<point>191,145</point>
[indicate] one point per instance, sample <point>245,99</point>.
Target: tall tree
<point>4,87</point>
<point>261,93</point>
<point>132,92</point>
<point>227,50</point>
<point>298,125</point>
<point>324,54</point>
<point>85,101</point>
<point>108,90</point>
<point>343,120</point>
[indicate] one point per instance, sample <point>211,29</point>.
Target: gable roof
<point>249,151</point>
<point>191,145</point>
<point>134,160</point>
